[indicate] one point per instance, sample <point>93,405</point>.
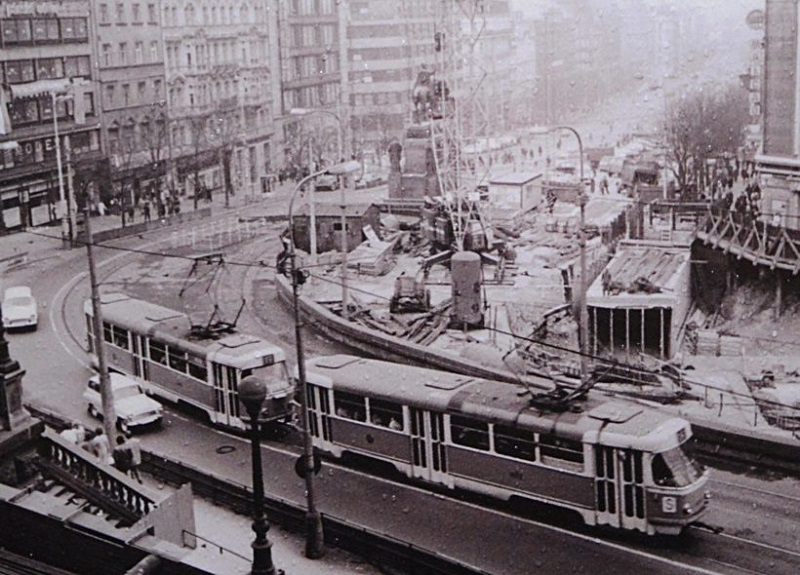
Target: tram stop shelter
<point>640,301</point>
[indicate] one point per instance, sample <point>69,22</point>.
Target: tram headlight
<point>687,509</point>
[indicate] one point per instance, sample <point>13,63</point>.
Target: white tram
<point>614,463</point>
<point>157,346</point>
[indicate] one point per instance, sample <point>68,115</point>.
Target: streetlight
<point>582,310</point>
<point>339,150</point>
<point>66,211</point>
<point>314,535</point>
<point>252,392</point>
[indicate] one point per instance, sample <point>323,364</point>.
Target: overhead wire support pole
<point>314,532</point>
<point>582,307</point>
<point>106,393</point>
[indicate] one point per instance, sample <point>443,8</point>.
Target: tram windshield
<point>275,376</point>
<point>674,468</point>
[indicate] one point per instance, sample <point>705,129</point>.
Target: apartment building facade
<point>52,120</point>
<point>220,76</point>
<point>131,87</point>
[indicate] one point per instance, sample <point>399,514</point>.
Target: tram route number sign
<point>669,505</point>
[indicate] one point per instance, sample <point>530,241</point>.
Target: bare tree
<point>704,126</point>
<point>155,139</point>
<point>123,183</point>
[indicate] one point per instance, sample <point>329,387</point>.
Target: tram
<point>181,363</point>
<point>614,463</point>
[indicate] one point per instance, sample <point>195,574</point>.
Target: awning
<point>39,87</point>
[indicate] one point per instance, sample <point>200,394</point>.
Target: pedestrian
<point>146,210</point>
<point>122,455</point>
<point>99,446</point>
<point>606,281</point>
<point>136,458</point>
<point>74,434</point>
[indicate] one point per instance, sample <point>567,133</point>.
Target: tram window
<point>177,359</point>
<point>514,442</point>
<point>197,368</point>
<point>560,448</point>
<point>469,432</point>
<point>108,334</point>
<point>386,414</point>
<point>158,352</point>
<point>631,466</point>
<point>121,337</point>
<point>674,468</point>
<point>350,405</point>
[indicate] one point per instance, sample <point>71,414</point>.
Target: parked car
<point>132,406</point>
<point>19,308</point>
<point>326,183</point>
<point>369,180</point>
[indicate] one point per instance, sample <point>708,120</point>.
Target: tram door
<point>619,488</point>
<point>428,451</point>
<point>226,404</point>
<point>139,365</point>
<point>319,411</point>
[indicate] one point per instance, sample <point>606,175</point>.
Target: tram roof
<point>174,328</point>
<point>616,422</point>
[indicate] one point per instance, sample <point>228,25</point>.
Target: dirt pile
<point>749,313</point>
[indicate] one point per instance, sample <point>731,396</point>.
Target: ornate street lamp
<point>252,393</point>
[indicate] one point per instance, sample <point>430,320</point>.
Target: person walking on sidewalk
<point>146,210</point>
<point>122,455</point>
<point>136,458</point>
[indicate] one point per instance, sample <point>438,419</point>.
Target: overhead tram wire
<point>336,281</point>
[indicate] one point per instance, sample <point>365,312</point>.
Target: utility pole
<point>106,393</point>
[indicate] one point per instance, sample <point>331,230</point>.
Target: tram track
<point>242,283</point>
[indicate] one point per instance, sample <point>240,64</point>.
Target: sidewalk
<point>44,242</point>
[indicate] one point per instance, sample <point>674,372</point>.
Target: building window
<point>49,68</point>
<point>107,58</point>
<point>151,14</point>
<point>109,96</point>
<point>122,59</point>
<point>120,13</point>
<point>103,14</point>
<point>74,30</point>
<point>77,66</point>
<point>154,51</point>
<point>16,31</point>
<point>157,90</point>
<point>126,94</point>
<point>141,90</point>
<point>45,30</point>
<point>138,52</point>
<point>136,14</point>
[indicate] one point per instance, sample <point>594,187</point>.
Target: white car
<point>369,180</point>
<point>19,308</point>
<point>132,406</point>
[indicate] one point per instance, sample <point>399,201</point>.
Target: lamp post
<point>339,151</point>
<point>314,534</point>
<point>252,392</point>
<point>582,309</point>
<point>66,211</point>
